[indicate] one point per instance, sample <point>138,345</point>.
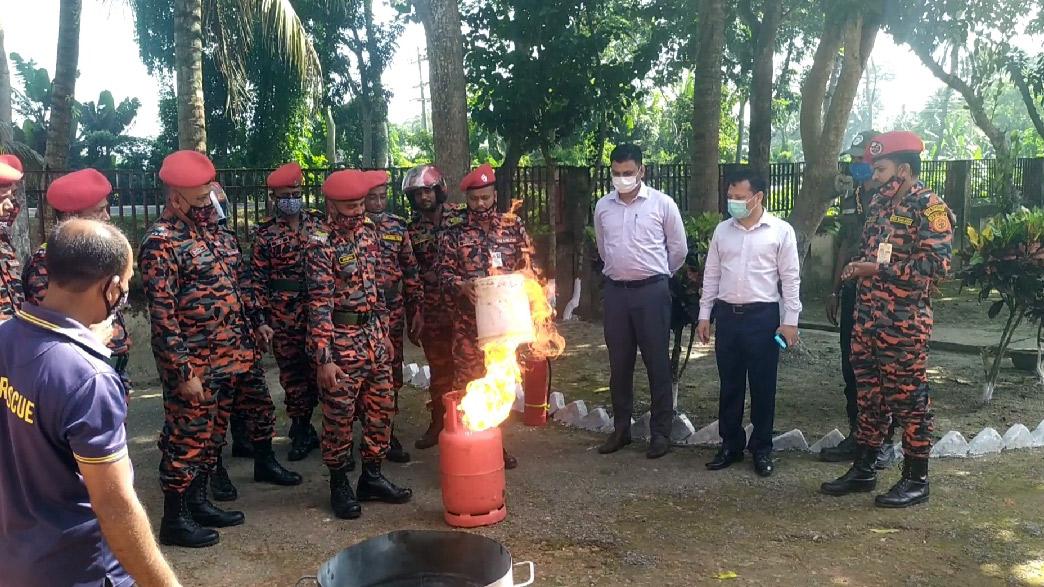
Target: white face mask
<point>625,184</point>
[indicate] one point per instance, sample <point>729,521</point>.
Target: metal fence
<point>138,195</point>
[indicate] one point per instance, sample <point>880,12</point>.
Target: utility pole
<point>421,86</point>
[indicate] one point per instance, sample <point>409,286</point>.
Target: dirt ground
<point>588,519</point>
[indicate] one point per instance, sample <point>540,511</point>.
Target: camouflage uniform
<point>34,282</point>
<point>344,324</point>
<point>202,326</point>
<point>437,336</point>
<point>398,278</point>
<point>11,293</point>
<point>467,252</point>
<point>278,277</point>
<point>893,320</point>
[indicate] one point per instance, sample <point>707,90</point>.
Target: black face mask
<point>486,214</point>
<point>202,215</point>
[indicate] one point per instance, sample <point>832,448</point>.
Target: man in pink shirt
<point>750,256</point>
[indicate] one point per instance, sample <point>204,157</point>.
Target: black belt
<point>119,362</point>
<point>638,283</point>
<point>740,309</point>
<point>351,318</point>
<point>286,285</point>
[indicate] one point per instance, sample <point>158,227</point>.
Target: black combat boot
<point>303,439</point>
<point>268,470</point>
<point>396,453</point>
<point>373,486</point>
<point>206,513</point>
<point>912,489</point>
<point>842,453</point>
<point>177,528</point>
<point>241,447</point>
<point>342,498</point>
<point>221,486</point>
<point>430,437</point>
<point>860,478</point>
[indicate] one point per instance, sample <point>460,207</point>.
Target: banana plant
<point>1007,257</point>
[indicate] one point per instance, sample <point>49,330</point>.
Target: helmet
<point>425,176</point>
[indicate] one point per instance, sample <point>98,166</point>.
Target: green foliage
<point>687,284</point>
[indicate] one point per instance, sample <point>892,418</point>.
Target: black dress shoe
<point>510,462</point>
<point>724,459</point>
<point>763,464</point>
<point>658,446</point>
<point>617,440</point>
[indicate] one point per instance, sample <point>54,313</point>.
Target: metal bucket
<point>412,558</point>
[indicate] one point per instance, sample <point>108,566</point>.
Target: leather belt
<point>740,309</point>
<point>341,318</point>
<point>286,285</point>
<point>638,283</point>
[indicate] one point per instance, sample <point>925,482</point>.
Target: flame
<point>488,400</point>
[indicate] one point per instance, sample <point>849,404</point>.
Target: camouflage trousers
<point>296,371</point>
<point>194,428</point>
<point>397,333</point>
<point>437,342</point>
<point>469,362</point>
<point>891,382</point>
<point>367,388</point>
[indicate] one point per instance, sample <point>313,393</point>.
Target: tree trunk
<point>761,86</point>
<point>378,107</point>
<point>449,101</point>
<point>706,114</point>
<point>366,113</point>
<point>506,175</point>
<point>1019,78</point>
<point>823,120</point>
<point>63,94</point>
<point>188,65</point>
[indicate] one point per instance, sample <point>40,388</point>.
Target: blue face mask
<point>738,209</point>
<point>861,172</point>
<point>289,206</point>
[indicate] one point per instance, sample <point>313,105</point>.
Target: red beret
<point>891,143</point>
<point>481,177</point>
<point>187,169</point>
<point>347,185</point>
<point>287,176</point>
<point>12,161</point>
<point>78,191</point>
<point>376,178</point>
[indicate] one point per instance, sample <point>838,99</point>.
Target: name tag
<point>905,221</point>
<point>884,253</point>
<point>393,237</point>
<point>496,259</point>
<point>197,251</point>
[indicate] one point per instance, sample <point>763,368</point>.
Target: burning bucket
<point>502,310</point>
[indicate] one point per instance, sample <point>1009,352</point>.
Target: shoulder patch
<point>454,221</point>
<point>319,236</point>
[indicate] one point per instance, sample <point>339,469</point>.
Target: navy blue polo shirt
<point>61,404</point>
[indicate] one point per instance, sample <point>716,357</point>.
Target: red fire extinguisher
<point>536,383</point>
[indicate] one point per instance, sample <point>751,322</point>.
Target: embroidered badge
<point>197,251</point>
<point>904,220</point>
<point>320,237</point>
<point>346,259</point>
<point>393,237</point>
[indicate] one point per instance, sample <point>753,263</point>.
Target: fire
<point>488,400</point>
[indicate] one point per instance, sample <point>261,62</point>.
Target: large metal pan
<point>423,558</point>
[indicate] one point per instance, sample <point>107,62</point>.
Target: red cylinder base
<point>472,472</point>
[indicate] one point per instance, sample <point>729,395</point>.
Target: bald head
<point>83,252</point>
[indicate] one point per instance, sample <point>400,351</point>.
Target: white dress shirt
<point>747,265</point>
<point>641,239</point>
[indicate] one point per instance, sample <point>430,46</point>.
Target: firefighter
<point>349,344</point>
<point>278,276</point>
<point>82,194</point>
<point>11,295</point>
<point>205,338</point>
<point>425,188</point>
<point>487,243</point>
<point>907,247</point>
<point>397,276</point>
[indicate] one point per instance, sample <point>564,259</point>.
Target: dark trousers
<point>639,318</point>
<point>746,351</point>
<point>847,320</point>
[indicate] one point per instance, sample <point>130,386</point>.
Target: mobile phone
<point>782,342</point>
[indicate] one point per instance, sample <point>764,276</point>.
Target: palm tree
<point>233,28</point>
<point>63,96</point>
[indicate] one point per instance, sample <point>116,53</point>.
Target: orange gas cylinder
<point>472,471</point>
<point>536,383</point>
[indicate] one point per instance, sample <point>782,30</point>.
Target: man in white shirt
<point>641,239</point>
<point>750,255</point>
